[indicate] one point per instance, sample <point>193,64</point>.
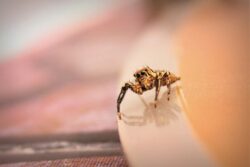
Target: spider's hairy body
<point>147,79</point>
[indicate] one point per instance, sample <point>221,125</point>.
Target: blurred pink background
<point>60,62</point>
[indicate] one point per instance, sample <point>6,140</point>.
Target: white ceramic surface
<point>161,136</point>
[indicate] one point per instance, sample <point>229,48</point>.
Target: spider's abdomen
<point>163,82</point>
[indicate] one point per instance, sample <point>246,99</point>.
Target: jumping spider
<point>147,79</point>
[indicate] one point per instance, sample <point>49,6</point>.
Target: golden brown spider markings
<point>147,79</point>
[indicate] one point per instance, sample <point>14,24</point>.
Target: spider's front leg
<point>120,98</point>
<point>134,87</point>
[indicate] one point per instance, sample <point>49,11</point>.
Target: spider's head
<point>172,77</point>
<point>144,72</point>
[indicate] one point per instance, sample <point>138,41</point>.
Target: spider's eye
<point>137,75</point>
<point>143,73</point>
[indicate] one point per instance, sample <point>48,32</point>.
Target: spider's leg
<point>169,91</point>
<point>120,98</point>
<point>157,90</point>
<point>135,87</point>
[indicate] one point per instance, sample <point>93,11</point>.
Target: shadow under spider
<point>165,112</point>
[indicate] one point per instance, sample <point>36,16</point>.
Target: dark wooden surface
<point>101,161</point>
<point>24,149</point>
